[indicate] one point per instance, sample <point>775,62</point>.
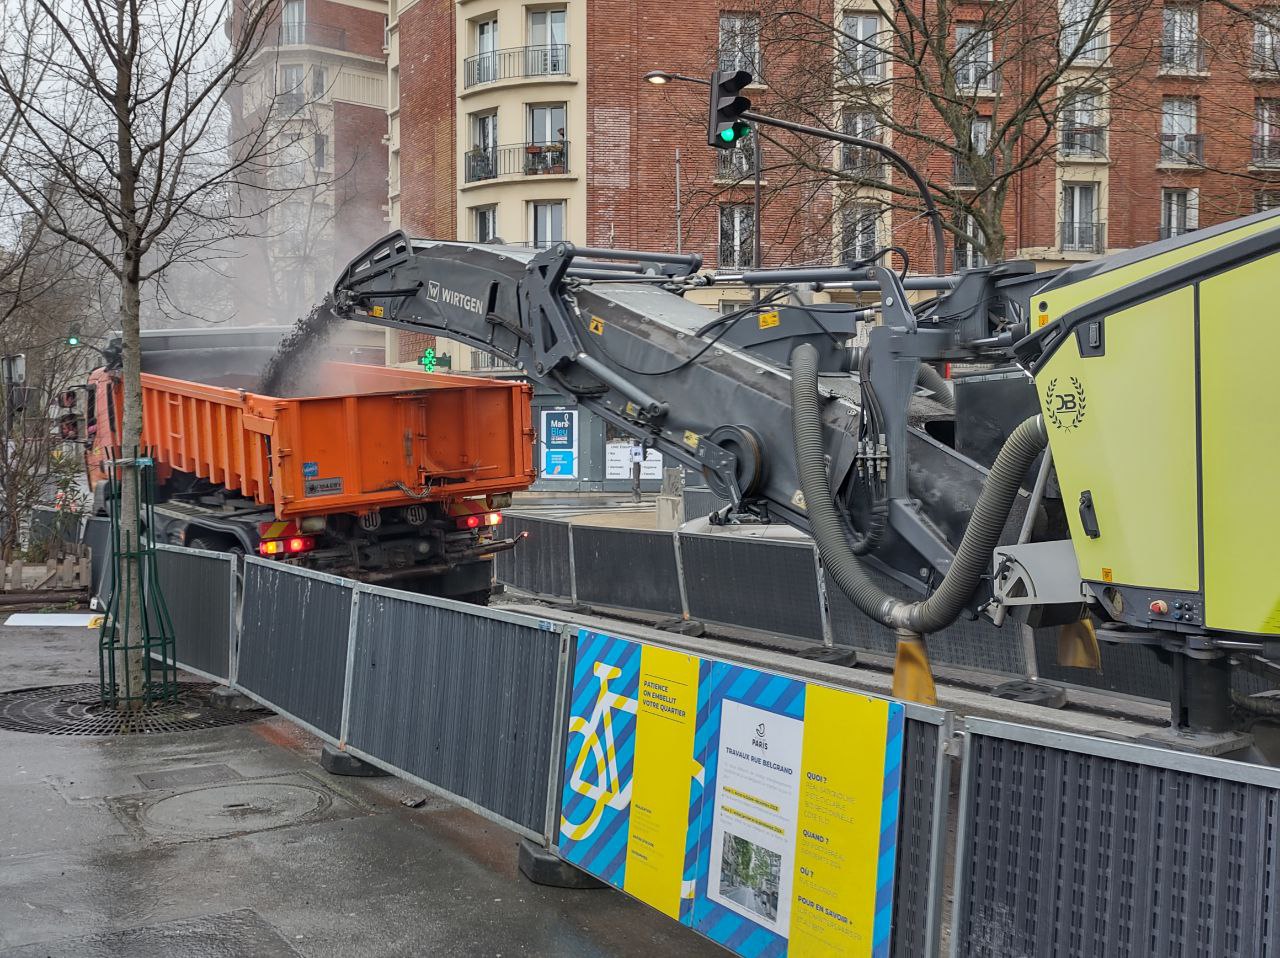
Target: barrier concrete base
<point>1200,743</point>
<point>542,867</point>
<point>830,655</point>
<point>336,762</point>
<point>1032,692</point>
<point>225,698</point>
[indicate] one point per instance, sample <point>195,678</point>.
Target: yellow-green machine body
<point>1158,384</point>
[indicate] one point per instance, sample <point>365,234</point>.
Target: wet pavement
<point>233,842</point>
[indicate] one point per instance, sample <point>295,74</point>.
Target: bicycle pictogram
<point>596,753</point>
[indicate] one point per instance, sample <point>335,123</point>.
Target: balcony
<point>1082,237</point>
<point>515,63</point>
<point>1182,149</point>
<point>312,35</point>
<point>1183,57</point>
<point>736,164</point>
<point>862,163</point>
<point>860,65</point>
<point>962,174</point>
<point>1170,230</point>
<point>521,159</point>
<point>748,60</point>
<point>977,78</point>
<point>1266,152</point>
<point>1084,141</point>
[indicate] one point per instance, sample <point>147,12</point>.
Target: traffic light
<point>73,340</point>
<point>725,126</point>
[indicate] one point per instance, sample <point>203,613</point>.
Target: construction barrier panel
<point>458,697</point>
<point>1070,845</point>
<point>771,586</point>
<point>767,812</point>
<point>626,568</point>
<point>540,563</point>
<point>292,656</point>
<point>199,590</point>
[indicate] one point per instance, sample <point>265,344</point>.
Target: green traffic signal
<point>73,340</point>
<point>725,125</point>
<point>733,134</point>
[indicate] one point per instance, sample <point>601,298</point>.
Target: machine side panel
<point>1239,341</point>
<point>1066,298</point>
<point>1122,426</point>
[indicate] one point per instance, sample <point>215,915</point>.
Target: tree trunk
<point>132,669</point>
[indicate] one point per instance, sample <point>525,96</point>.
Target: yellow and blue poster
<point>758,809</point>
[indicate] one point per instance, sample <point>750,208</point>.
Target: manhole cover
<point>75,710</point>
<point>236,807</point>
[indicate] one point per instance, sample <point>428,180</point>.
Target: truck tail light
<point>479,520</point>
<point>295,545</point>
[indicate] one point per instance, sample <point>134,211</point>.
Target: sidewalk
<point>260,853</point>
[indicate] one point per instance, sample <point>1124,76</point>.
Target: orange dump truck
<point>385,474</point>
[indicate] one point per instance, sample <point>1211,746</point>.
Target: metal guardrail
<point>547,60</point>
<point>1086,141</point>
<point>1063,844</point>
<point>1082,237</point>
<point>519,159</point>
<point>1186,149</point>
<point>1073,845</point>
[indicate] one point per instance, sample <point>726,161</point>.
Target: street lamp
<point>662,77</point>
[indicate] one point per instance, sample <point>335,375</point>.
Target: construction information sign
<point>760,810</point>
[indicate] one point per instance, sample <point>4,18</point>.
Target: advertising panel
<point>559,444</point>
<point>758,809</point>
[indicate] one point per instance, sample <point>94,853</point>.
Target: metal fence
<point>1070,845</point>
<point>1063,844</point>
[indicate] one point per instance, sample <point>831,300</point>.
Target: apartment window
<point>293,22</point>
<point>1266,133</point>
<point>1082,132</point>
<point>546,222</point>
<point>1083,36</point>
<point>973,59</point>
<point>547,53</point>
<point>484,223</point>
<point>859,229</point>
<point>740,42</point>
<point>1266,41</point>
<point>1179,141</point>
<point>860,160</point>
<point>291,77</point>
<point>320,151</point>
<point>1180,48</point>
<point>482,158</point>
<point>861,55</point>
<point>484,64</point>
<point>1179,212</point>
<point>546,123</point>
<point>1081,231</point>
<point>968,255</point>
<point>1264,200</point>
<point>319,84</point>
<point>979,144</point>
<point>737,235</point>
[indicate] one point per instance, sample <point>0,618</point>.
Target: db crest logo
<point>1065,405</point>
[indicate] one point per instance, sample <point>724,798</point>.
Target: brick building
<point>530,122</point>
<point>319,83</point>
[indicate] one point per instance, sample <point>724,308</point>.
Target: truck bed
<point>370,438</point>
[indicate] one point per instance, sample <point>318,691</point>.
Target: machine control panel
<point>1182,610</point>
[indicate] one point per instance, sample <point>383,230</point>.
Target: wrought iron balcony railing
<point>1082,237</point>
<point>520,159</point>
<point>1266,151</point>
<point>516,62</point>
<point>1186,56</point>
<point>1080,140</point>
<point>1185,149</point>
<point>312,34</point>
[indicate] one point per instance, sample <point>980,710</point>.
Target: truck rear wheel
<point>212,542</point>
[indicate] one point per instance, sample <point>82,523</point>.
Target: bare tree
<point>123,148</point>
<point>976,96</point>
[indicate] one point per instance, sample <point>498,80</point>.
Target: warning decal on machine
<point>322,487</point>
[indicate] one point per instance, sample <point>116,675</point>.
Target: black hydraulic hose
<point>932,380</point>
<point>981,535</point>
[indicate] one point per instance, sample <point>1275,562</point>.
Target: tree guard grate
<point>78,710</point>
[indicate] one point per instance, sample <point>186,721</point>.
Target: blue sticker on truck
<point>310,470</point>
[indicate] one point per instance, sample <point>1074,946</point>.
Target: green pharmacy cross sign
<point>428,360</point>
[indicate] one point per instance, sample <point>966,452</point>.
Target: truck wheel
<point>211,542</point>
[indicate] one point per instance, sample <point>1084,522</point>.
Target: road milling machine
<point>1104,469</point>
